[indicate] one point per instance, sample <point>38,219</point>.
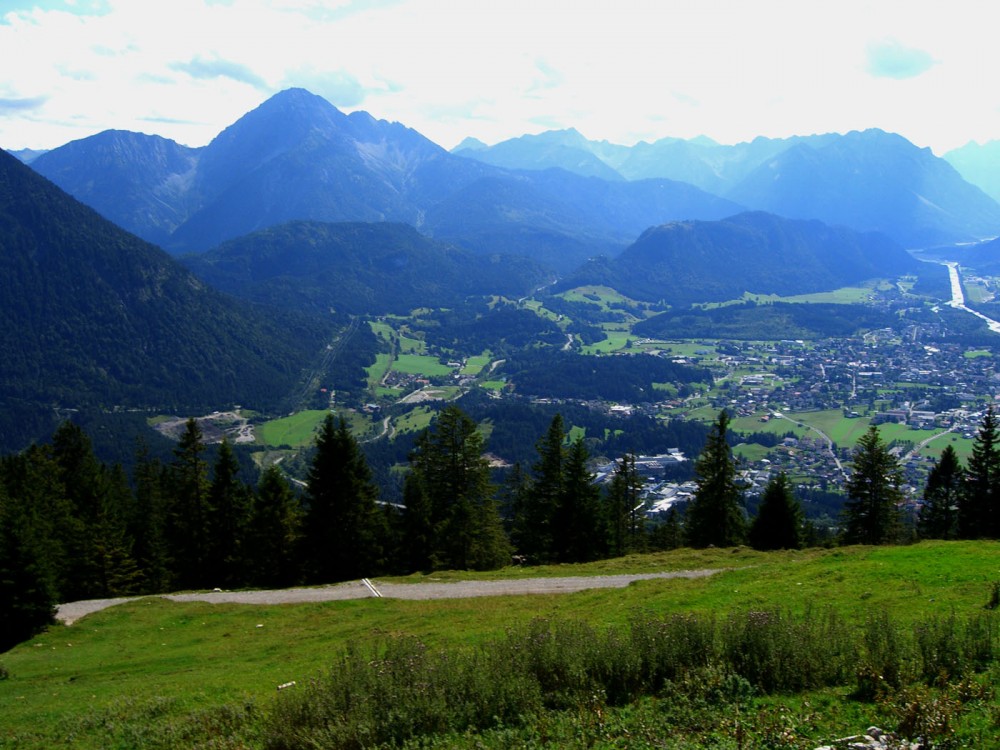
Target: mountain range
<point>868,180</point>
<point>297,157</point>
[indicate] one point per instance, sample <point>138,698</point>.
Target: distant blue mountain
<point>296,157</point>
<point>868,180</point>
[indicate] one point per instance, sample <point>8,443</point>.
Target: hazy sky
<point>624,70</point>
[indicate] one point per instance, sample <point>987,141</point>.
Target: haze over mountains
<point>869,180</point>
<point>555,197</point>
<point>296,157</point>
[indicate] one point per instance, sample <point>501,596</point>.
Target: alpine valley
<point>322,349</point>
<point>316,258</point>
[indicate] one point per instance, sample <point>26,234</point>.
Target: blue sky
<point>623,71</point>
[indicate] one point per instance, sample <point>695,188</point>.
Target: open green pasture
<point>415,420</point>
<point>377,371</point>
<point>475,364</point>
<point>296,430</point>
<point>615,341</point>
<point>602,296</point>
<point>137,672</point>
<point>421,364</point>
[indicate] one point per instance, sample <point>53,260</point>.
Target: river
<point>958,297</point>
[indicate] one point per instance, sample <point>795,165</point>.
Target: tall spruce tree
<point>938,517</point>
<point>715,515</point>
<point>623,509</point>
<point>577,523</point>
<point>148,525</point>
<point>189,511</point>
<point>274,532</point>
<point>229,503</point>
<point>778,524</point>
<point>871,511</point>
<point>27,587</point>
<point>450,483</point>
<point>534,526</point>
<point>344,531</point>
<point>977,507</point>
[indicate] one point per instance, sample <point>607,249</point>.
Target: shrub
<point>886,659</point>
<point>777,652</point>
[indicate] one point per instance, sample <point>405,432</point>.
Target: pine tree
<point>873,493</point>
<point>577,524</point>
<point>344,532</point>
<point>778,524</point>
<point>669,534</point>
<point>977,507</point>
<point>229,516</point>
<point>149,524</point>
<point>939,513</point>
<point>452,480</point>
<point>39,500</point>
<point>274,532</point>
<point>189,510</point>
<point>534,526</point>
<point>715,515</point>
<point>624,509</point>
<point>27,588</point>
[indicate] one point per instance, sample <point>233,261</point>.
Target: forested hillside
<point>92,316</point>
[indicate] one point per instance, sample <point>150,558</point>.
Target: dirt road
<point>73,611</point>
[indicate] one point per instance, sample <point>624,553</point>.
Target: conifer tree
<point>977,507</point>
<point>534,526</point>
<point>344,532</point>
<point>623,509</point>
<point>669,534</point>
<point>939,513</point>
<point>452,481</point>
<point>34,487</point>
<point>778,524</point>
<point>148,525</point>
<point>189,510</point>
<point>715,515</point>
<point>27,588</point>
<point>229,503</point>
<point>274,532</point>
<point>577,527</point>
<point>873,493</point>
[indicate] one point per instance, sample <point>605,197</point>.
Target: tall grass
<point>401,691</point>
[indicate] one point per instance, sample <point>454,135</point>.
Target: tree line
<point>74,528</point>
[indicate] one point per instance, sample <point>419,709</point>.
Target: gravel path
<point>73,611</point>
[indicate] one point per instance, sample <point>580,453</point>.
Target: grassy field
<point>421,364</point>
<point>152,669</point>
<point>378,370</point>
<point>474,365</point>
<point>296,431</point>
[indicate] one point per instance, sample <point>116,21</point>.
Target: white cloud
<point>618,70</point>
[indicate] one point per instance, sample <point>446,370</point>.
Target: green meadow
<point>156,673</point>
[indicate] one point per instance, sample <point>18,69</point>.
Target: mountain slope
<point>137,181</point>
<point>92,316</point>
<point>698,261</point>
<point>872,181</point>
<point>357,268</point>
<point>979,165</point>
<point>562,149</point>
